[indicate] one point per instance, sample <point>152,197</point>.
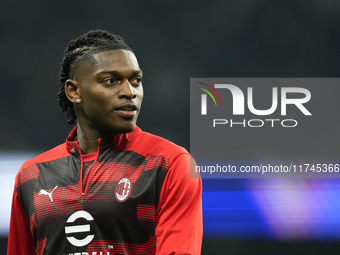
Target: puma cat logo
<point>49,194</point>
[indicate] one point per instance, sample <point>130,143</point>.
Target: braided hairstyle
<point>78,51</point>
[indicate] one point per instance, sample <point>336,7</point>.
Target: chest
<point>116,184</point>
<point>115,198</point>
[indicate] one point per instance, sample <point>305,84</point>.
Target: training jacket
<point>136,195</point>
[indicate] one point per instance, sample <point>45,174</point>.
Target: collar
<point>119,141</point>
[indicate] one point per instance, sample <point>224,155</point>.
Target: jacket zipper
<point>83,192</point>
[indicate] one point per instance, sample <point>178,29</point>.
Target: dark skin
<point>110,93</point>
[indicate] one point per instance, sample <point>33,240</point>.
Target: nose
<point>127,91</point>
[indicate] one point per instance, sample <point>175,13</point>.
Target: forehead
<point>112,60</point>
<point>117,58</point>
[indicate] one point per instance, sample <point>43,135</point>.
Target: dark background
<point>173,41</point>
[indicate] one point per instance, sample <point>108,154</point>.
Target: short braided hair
<point>83,48</point>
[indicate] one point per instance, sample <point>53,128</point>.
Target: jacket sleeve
<point>20,239</point>
<point>179,226</point>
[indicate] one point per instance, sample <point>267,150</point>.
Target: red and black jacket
<point>136,195</point>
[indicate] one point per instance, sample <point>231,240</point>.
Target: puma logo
<point>49,194</point>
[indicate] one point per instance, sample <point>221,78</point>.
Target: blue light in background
<point>281,209</point>
<point>10,163</point>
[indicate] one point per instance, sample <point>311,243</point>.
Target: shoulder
<point>29,170</point>
<point>50,155</point>
<point>147,143</point>
<point>181,163</point>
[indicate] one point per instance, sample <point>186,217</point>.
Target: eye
<point>109,81</point>
<point>136,81</point>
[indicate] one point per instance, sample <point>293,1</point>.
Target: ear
<point>72,90</point>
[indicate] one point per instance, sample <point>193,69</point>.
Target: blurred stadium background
<point>174,41</point>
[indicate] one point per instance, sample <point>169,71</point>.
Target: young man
<point>111,188</point>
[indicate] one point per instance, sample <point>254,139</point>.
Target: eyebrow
<point>119,74</point>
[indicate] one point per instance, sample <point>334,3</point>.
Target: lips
<point>127,110</point>
<point>127,107</point>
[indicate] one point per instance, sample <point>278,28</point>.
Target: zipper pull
<point>82,198</point>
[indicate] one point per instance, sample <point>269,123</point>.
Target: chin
<point>125,128</point>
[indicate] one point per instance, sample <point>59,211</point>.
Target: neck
<point>88,141</point>
<point>88,138</point>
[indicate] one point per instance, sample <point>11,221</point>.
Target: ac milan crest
<point>123,189</point>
